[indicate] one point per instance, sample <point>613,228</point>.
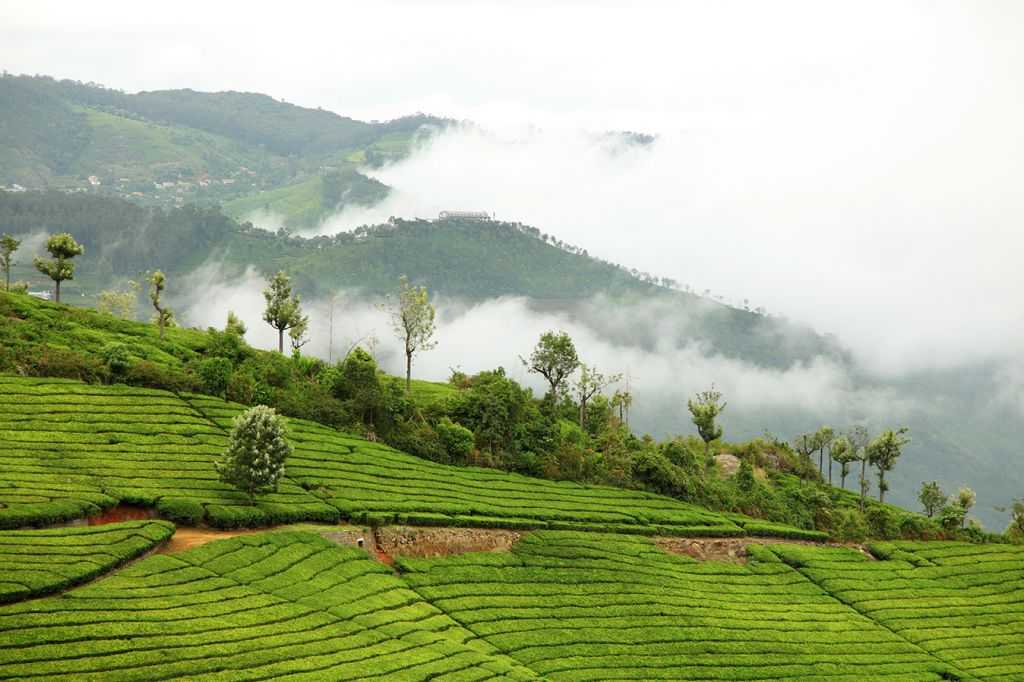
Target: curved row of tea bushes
<point>272,605</point>
<point>588,606</point>
<point>37,562</point>
<point>71,449</point>
<point>962,602</point>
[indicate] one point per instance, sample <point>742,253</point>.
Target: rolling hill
<point>166,148</point>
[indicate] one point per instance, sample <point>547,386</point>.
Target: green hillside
<point>42,561</point>
<point>71,449</point>
<point>559,606</point>
<point>168,148</point>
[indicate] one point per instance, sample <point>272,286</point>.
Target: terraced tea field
<point>582,607</point>
<point>72,449</point>
<point>273,605</point>
<point>37,562</point>
<point>962,603</point>
<point>560,606</point>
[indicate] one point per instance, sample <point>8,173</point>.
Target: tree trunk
<point>280,340</point>
<point>821,461</point>
<point>408,372</point>
<point>8,272</point>
<point>830,468</point>
<point>160,322</point>
<point>57,296</point>
<point>881,485</point>
<point>583,413</point>
<point>842,481</point>
<point>863,466</point>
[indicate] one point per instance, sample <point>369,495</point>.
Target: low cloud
<point>475,337</point>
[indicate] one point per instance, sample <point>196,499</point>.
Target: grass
<point>38,562</point>
<point>71,449</point>
<point>963,603</point>
<point>299,202</point>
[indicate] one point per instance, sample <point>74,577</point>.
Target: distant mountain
<point>171,147</point>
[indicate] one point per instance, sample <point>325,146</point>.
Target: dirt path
<point>187,538</point>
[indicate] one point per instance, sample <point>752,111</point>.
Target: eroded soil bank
<point>735,549</point>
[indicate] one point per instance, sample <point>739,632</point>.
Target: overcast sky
<point>855,165</point>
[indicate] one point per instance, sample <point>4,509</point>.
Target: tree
<point>298,335</point>
<point>119,302</point>
<point>703,411</point>
<point>283,310</point>
<point>235,325</point>
<point>1016,528</point>
<point>554,358</point>
<point>823,439</point>
<point>63,248</point>
<point>859,440</point>
<point>589,384</point>
<point>844,453</point>
<point>883,453</point>
<point>965,499</point>
<point>164,316</point>
<point>8,245</point>
<point>622,401</point>
<point>805,444</point>
<point>257,449</point>
<point>412,318</point>
<point>931,497</point>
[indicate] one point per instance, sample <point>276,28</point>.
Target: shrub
<point>849,525</point>
<point>151,375</point>
<point>456,439</point>
<point>882,522</point>
<point>181,510</point>
<point>47,361</point>
<point>215,373</point>
<point>117,358</point>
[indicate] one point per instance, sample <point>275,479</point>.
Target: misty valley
<point>702,373</point>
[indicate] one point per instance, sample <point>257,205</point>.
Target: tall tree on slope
<point>412,318</point>
<point>283,311</point>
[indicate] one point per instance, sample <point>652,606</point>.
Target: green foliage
<point>283,311</point>
<point>8,245</point>
<point>62,247</point>
<point>554,358</point>
<point>256,452</point>
<point>704,411</point>
<point>215,373</point>
<point>412,319</point>
<point>456,439</point>
<point>117,357</point>
<point>119,302</point>
<point>883,452</point>
<point>931,497</point>
<point>164,315</point>
<point>38,562</point>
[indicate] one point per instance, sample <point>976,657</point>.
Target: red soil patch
<point>426,542</point>
<point>122,512</point>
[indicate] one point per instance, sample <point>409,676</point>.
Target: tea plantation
<point>71,449</point>
<point>962,603</point>
<point>274,605</point>
<point>580,607</point>
<point>560,605</point>
<point>40,561</point>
